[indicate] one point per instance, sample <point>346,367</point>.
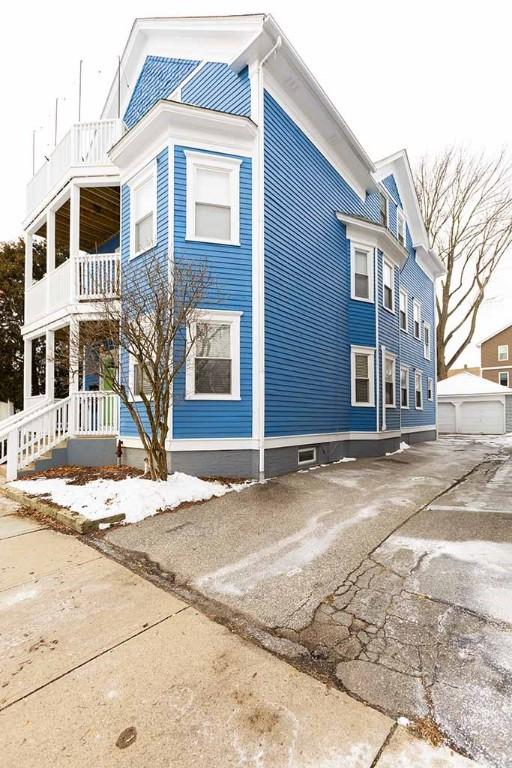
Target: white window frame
<point>370,352</point>
<point>401,223</point>
<point>391,357</point>
<point>387,262</point>
<point>419,373</point>
<point>370,259</point>
<point>406,369</point>
<point>229,165</point>
<point>416,304</point>
<point>500,374</point>
<point>146,174</point>
<point>427,350</point>
<point>403,292</point>
<point>215,316</point>
<point>134,398</point>
<point>430,388</point>
<point>302,462</point>
<point>505,348</point>
<point>386,198</point>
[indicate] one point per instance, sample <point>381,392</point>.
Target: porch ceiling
<point>99,217</point>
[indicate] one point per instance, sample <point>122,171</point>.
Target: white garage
<point>468,404</point>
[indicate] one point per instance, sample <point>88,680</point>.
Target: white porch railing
<point>34,433</point>
<point>85,144</point>
<point>87,277</point>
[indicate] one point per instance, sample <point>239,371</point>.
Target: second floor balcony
<point>84,149</point>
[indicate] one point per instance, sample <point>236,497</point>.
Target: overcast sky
<point>414,74</point>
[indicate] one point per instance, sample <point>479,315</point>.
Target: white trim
<point>147,174</point>
<point>329,437</point>
<point>302,462</point>
<point>423,428</point>
<point>504,347</point>
<point>403,292</point>
<point>228,165</point>
<point>400,219</point>
<point>392,357</point>
<point>199,444</point>
<point>496,367</point>
<point>387,263</point>
<point>419,373</point>
<point>176,94</point>
<point>405,368</point>
<point>369,251</point>
<point>427,351</point>
<point>416,303</point>
<point>508,378</point>
<point>375,235</point>
<point>496,333</point>
<point>385,194</point>
<point>370,353</point>
<point>430,387</point>
<point>216,316</point>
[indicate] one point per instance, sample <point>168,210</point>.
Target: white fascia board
<point>477,396</point>
<point>424,428</point>
<point>185,124</point>
<point>375,235</point>
<point>500,330</point>
<point>214,38</point>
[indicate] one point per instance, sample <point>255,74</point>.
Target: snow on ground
<point>403,447</point>
<point>136,497</point>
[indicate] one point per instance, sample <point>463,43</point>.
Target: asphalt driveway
<point>392,575</point>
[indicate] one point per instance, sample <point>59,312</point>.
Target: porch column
<point>50,365</point>
<point>28,260</point>
<point>73,374</point>
<point>74,236</point>
<point>50,263</point>
<point>27,370</point>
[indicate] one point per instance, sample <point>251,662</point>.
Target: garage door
<point>446,417</point>
<point>484,418</point>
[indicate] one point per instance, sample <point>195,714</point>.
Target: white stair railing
<point>83,413</point>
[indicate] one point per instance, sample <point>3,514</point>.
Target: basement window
<point>306,455</point>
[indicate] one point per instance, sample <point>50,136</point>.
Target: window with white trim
<point>363,376</point>
<point>416,319</point>
<point>404,310</point>
<point>426,341</point>
<point>213,198</point>
<point>503,352</point>
<point>141,382</point>
<point>361,272</point>
<point>430,388</point>
<point>388,278</point>
<point>503,378</point>
<point>389,380</point>
<point>418,390</point>
<point>404,387</point>
<point>400,227</point>
<point>306,456</point>
<point>143,210</point>
<point>383,209</point>
<point>213,365</point>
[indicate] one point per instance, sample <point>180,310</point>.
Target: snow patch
<point>135,497</point>
<point>403,447</point>
<point>19,596</point>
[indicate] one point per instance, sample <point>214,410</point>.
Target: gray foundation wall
<point>233,464</point>
<point>81,452</point>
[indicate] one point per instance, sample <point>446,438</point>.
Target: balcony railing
<point>87,277</point>
<point>84,145</point>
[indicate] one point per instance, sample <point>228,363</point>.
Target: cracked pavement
<point>392,577</point>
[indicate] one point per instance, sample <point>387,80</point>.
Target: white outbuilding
<point>468,404</point>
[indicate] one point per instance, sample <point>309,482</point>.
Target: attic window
<point>400,227</point>
<point>383,209</point>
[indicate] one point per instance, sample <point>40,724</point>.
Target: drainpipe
<point>261,281</point>
<point>377,359</point>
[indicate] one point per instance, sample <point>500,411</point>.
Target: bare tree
<point>466,202</point>
<point>157,329</point>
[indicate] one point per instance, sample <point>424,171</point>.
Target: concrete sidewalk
<point>99,667</point>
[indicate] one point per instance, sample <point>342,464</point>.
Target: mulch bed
<point>83,475</point>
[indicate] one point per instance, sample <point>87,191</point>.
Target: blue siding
<point>110,245</point>
<point>390,184</point>
<point>131,267</point>
<point>216,86</point>
<point>158,78</point>
<point>231,268</point>
<point>308,311</point>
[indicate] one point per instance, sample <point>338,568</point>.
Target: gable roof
<point>500,330</point>
<point>468,384</point>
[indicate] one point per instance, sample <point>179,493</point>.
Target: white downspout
<point>260,285</point>
<point>376,305</point>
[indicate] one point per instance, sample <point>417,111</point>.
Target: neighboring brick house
<point>496,357</point>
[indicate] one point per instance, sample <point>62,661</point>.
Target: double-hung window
<point>404,387</point>
<point>503,352</point>
<point>426,341</point>
<point>416,319</point>
<point>362,272</point>
<point>383,209</point>
<point>141,382</point>
<point>143,210</point>
<point>362,376</point>
<point>400,227</point>
<point>389,380</point>
<point>430,389</point>
<point>213,364</point>
<point>503,378</point>
<point>418,390</point>
<point>404,310</point>
<point>213,198</point>
<point>388,286</point>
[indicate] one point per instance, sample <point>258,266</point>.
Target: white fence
<point>85,144</point>
<point>31,434</point>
